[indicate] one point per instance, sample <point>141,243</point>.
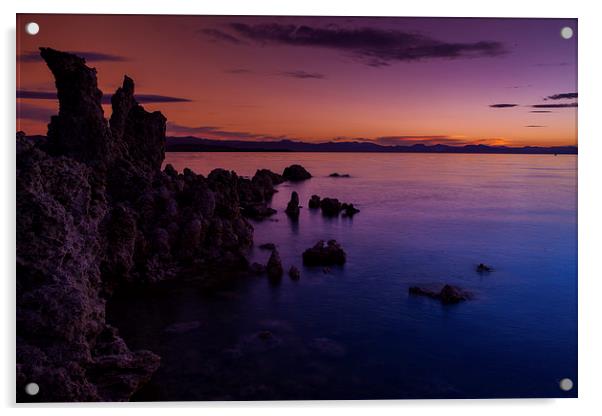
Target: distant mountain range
<point>196,144</point>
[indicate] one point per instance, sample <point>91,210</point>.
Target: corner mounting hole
<point>32,389</point>
<point>566,32</point>
<point>566,384</point>
<point>32,28</point>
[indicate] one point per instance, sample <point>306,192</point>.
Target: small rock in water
<point>292,209</point>
<point>349,210</point>
<point>274,267</point>
<point>339,175</point>
<point>295,173</point>
<point>483,268</point>
<point>294,273</point>
<point>324,255</point>
<point>314,202</point>
<point>447,295</point>
<point>331,207</point>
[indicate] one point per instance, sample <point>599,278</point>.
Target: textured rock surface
<point>95,213</point>
<point>324,254</point>
<point>274,267</point>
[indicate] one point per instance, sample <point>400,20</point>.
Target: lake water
<point>355,333</point>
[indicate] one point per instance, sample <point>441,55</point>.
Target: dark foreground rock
<point>96,213</point>
<point>267,246</point>
<point>295,173</point>
<point>324,254</point>
<point>448,294</point>
<point>293,208</point>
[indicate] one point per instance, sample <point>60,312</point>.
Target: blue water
<point>355,333</point>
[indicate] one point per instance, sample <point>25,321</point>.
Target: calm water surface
<point>355,333</point>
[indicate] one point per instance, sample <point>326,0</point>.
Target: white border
<point>590,200</point>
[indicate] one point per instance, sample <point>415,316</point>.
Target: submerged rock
<point>296,173</point>
<point>292,209</point>
<point>314,202</point>
<point>448,294</point>
<point>339,175</point>
<point>294,273</point>
<point>483,268</point>
<point>324,255</point>
<point>274,267</point>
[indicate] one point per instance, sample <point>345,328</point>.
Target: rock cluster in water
<point>322,254</point>
<point>293,208</point>
<point>332,207</point>
<point>448,294</point>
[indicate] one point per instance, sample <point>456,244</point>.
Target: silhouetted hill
<point>195,144</point>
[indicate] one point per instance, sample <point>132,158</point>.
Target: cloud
<point>106,99</point>
<point>568,105</point>
<point>26,111</point>
<point>34,56</point>
<point>374,47</point>
<point>534,126</point>
<point>220,36</point>
<point>303,75</point>
<point>564,96</point>
<point>503,105</point>
<point>540,111</point>
<point>214,132</point>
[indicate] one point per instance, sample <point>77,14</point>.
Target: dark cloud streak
<point>374,47</point>
<point>106,99</point>
<point>34,56</point>
<point>503,105</point>
<point>568,105</point>
<point>302,74</point>
<point>564,96</point>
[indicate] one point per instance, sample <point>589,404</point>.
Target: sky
<point>387,80</point>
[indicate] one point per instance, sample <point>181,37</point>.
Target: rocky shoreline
<point>96,214</point>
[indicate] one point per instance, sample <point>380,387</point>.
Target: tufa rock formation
<point>314,202</point>
<point>293,208</point>
<point>274,267</point>
<point>96,213</point>
<point>295,173</point>
<point>324,255</point>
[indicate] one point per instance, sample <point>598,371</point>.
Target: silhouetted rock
<point>314,202</point>
<point>349,210</point>
<point>483,268</point>
<point>447,295</point>
<point>274,266</point>
<point>292,209</point>
<point>339,175</point>
<point>256,193</point>
<point>294,273</point>
<point>295,173</point>
<point>331,207</point>
<point>324,255</point>
<point>94,213</point>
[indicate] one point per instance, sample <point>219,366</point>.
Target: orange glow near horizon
<point>249,90</point>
